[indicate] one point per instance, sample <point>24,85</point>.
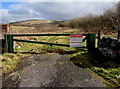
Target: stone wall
<point>109,48</point>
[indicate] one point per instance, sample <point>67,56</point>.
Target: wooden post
<point>10,43</point>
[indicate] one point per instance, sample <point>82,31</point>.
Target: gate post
<point>10,43</point>
<point>91,41</point>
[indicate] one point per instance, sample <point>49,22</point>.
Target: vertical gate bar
<point>10,43</point>
<point>91,41</point>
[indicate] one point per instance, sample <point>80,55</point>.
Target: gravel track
<point>51,70</point>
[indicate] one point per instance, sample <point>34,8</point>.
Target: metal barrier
<point>90,37</point>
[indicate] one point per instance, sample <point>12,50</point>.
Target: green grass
<point>110,74</point>
<point>10,61</point>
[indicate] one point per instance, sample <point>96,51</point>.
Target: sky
<point>17,10</point>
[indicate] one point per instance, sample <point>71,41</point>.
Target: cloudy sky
<point>17,11</point>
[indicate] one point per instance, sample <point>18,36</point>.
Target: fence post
<point>10,43</point>
<point>91,41</point>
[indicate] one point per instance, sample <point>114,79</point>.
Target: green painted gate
<point>90,37</point>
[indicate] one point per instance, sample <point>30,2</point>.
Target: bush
<point>105,22</point>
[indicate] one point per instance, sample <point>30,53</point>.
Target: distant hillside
<point>30,22</point>
<point>35,26</point>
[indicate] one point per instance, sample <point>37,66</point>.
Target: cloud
<point>52,10</point>
<point>69,10</point>
<point>60,0</point>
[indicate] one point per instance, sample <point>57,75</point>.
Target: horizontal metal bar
<point>84,39</point>
<point>41,42</point>
<point>41,34</point>
<point>45,34</point>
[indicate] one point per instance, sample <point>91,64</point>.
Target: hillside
<point>30,22</point>
<point>37,26</point>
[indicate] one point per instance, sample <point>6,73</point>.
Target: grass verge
<point>10,61</point>
<point>108,70</point>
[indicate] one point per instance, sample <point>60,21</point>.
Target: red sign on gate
<point>76,40</point>
<point>76,35</point>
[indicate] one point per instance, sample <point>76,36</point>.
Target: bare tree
<point>118,12</point>
<point>113,15</point>
<point>118,18</point>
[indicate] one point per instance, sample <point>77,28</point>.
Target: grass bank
<point>10,61</point>
<point>110,70</point>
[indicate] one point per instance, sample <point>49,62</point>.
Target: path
<point>52,70</point>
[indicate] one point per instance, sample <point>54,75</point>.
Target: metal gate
<point>90,37</point>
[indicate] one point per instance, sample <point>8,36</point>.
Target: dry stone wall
<point>109,48</point>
